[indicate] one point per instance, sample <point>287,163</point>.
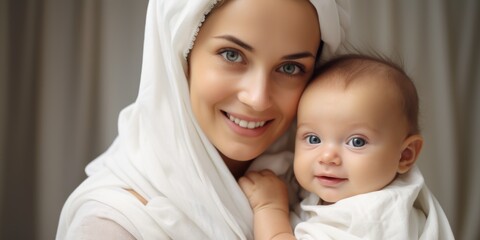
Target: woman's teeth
<point>245,124</point>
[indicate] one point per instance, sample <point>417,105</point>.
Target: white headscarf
<point>161,152</point>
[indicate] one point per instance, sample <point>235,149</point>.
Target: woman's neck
<point>237,168</point>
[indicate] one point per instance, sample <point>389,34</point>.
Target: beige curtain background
<point>67,67</point>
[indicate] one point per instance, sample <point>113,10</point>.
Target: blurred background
<point>67,67</point>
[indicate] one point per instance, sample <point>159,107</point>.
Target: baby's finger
<point>253,176</point>
<point>267,172</point>
<point>246,185</point>
<point>245,180</point>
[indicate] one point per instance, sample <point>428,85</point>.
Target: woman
<point>212,97</point>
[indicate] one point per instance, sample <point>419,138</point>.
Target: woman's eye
<point>290,69</point>
<point>357,142</point>
<point>312,139</point>
<point>231,56</point>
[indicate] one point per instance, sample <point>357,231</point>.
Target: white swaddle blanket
<point>405,209</point>
<point>161,152</point>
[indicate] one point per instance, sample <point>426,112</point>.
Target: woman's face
<point>249,65</point>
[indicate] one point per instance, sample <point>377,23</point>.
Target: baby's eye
<point>231,56</point>
<point>312,139</point>
<point>357,142</point>
<point>291,69</point>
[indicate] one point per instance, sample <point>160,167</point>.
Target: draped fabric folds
<point>405,209</point>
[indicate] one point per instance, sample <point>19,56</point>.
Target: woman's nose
<point>255,91</point>
<point>330,156</point>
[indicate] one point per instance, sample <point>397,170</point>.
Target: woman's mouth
<point>246,127</point>
<point>244,123</point>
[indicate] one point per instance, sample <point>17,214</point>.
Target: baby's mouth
<point>330,180</point>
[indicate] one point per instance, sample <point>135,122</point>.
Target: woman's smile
<point>246,126</point>
<point>245,123</point>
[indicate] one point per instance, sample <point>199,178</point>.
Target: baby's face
<point>349,140</point>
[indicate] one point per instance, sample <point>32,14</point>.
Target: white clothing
<point>405,209</point>
<point>96,220</point>
<point>161,152</point>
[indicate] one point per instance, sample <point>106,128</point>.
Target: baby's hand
<point>264,190</point>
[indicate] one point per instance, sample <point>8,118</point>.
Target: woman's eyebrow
<point>251,49</point>
<point>298,55</point>
<point>236,41</point>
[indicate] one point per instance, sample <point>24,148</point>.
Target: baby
<point>355,150</point>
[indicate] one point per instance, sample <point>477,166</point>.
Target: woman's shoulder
<point>95,220</point>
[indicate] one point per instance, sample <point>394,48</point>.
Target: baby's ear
<point>410,150</point>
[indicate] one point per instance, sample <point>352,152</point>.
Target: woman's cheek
<point>290,103</point>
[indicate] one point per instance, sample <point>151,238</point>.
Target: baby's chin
<point>328,199</point>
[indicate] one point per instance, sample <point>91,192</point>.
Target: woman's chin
<point>243,156</point>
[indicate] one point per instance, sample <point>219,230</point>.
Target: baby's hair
<point>353,66</point>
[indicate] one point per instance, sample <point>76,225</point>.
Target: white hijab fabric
<point>161,152</point>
